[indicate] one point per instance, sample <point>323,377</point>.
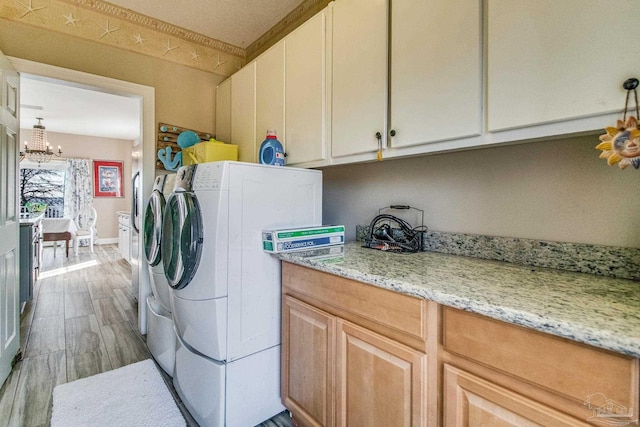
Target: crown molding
<point>293,20</point>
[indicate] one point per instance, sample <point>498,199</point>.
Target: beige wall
<point>87,147</point>
<point>184,96</point>
<point>553,190</point>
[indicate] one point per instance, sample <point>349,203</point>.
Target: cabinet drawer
<point>469,400</point>
<point>398,316</point>
<point>123,219</point>
<point>573,370</point>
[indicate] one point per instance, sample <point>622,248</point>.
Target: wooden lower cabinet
<point>472,401</point>
<point>379,382</point>
<point>308,341</point>
<point>545,375</point>
<point>358,355</point>
<point>337,373</point>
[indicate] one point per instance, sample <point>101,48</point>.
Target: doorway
<point>146,97</point>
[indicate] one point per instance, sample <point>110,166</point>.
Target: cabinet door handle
<point>393,132</point>
<point>379,138</point>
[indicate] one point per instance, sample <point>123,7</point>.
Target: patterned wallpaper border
<point>112,25</point>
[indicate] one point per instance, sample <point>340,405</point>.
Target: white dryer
<point>226,289</point>
<point>160,334</point>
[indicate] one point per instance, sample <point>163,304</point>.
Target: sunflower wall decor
<point>621,144</point>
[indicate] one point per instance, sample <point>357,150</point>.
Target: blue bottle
<point>271,152</point>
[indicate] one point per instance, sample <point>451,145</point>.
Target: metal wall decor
<point>167,148</point>
<point>621,144</point>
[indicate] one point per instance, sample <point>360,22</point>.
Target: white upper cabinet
<point>434,75</point>
<point>270,94</point>
<point>436,71</point>
<point>417,84</point>
<point>243,113</point>
<point>359,77</point>
<point>552,60</point>
<point>305,92</point>
<point>223,111</point>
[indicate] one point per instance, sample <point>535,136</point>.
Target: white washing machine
<point>160,332</point>
<point>226,289</point>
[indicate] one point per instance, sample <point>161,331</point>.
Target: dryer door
<point>181,244</point>
<point>152,233</point>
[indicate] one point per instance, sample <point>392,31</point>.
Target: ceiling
<point>65,108</point>
<point>82,111</point>
<point>237,22</point>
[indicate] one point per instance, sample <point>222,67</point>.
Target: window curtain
<point>78,192</point>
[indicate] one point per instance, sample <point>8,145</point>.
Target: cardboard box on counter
<point>325,253</point>
<point>294,239</point>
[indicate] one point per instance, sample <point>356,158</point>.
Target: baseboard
<point>108,241</point>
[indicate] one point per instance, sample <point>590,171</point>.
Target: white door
<point>305,91</point>
<point>359,78</point>
<point>243,113</point>
<point>9,219</point>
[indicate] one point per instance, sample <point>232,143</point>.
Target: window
<point>43,183</point>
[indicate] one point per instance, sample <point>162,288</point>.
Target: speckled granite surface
<point>595,310</point>
<point>623,263</point>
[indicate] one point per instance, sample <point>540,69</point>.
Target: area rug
<point>134,395</point>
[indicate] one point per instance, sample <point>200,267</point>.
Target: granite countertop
<point>595,310</point>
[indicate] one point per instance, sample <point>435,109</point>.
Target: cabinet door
<point>126,237</point>
<point>359,76</point>
<point>379,382</point>
<point>305,91</point>
<point>436,71</point>
<point>308,339</point>
<point>472,401</point>
<point>223,111</point>
<point>555,60</point>
<point>243,113</point>
<point>120,239</point>
<point>270,94</point>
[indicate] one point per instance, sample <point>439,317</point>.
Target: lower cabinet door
<point>308,337</point>
<point>379,382</point>
<point>473,401</point>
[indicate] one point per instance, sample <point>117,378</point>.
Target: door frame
<point>146,94</point>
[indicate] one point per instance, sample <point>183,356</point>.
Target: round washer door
<point>152,233</point>
<point>181,244</point>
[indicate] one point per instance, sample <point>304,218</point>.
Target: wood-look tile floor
<point>81,322</point>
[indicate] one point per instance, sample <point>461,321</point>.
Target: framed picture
<point>107,179</point>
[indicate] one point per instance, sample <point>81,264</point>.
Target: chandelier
<point>39,150</point>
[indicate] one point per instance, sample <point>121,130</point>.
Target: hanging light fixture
<point>39,150</point>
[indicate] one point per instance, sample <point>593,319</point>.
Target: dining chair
<point>85,223</point>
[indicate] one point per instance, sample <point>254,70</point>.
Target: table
<point>56,229</point>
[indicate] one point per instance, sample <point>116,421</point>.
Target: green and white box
<point>295,239</point>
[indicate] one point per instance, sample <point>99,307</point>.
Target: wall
<point>184,96</point>
<point>88,147</point>
<point>553,190</point>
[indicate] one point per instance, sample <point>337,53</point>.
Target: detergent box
<point>294,239</point>
<point>209,151</point>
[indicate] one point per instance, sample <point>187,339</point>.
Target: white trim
<point>146,94</point>
<point>56,164</point>
<point>109,241</point>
